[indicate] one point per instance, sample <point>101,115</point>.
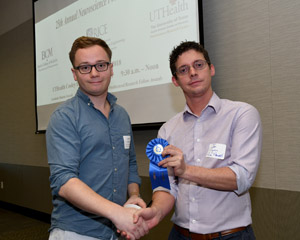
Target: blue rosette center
<point>154,150</point>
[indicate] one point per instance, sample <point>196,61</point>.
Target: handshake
<point>140,219</point>
<point>135,219</point>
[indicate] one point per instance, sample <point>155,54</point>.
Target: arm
<point>218,178</point>
<point>133,177</point>
<point>82,196</point>
<point>239,175</point>
<point>134,195</point>
<point>162,204</point>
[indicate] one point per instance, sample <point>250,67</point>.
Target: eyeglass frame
<point>188,67</point>
<point>88,65</point>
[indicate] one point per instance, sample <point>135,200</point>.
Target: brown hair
<point>184,47</point>
<point>85,42</point>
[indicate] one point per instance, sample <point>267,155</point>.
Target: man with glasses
<point>91,154</point>
<point>214,154</point>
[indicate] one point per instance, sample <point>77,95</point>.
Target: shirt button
<point>115,190</point>
<point>198,160</point>
<point>193,221</point>
<point>116,169</point>
<point>198,139</point>
<point>193,199</point>
<point>113,148</point>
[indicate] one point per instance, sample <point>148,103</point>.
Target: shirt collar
<point>214,103</point>
<point>112,99</point>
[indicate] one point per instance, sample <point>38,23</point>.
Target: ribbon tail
<point>159,176</point>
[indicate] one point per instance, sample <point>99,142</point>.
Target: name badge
<point>126,142</point>
<point>216,150</point>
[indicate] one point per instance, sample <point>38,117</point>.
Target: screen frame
<point>135,127</point>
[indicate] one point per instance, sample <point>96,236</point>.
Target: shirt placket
<point>114,165</point>
<point>193,188</point>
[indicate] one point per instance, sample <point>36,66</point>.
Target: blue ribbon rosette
<point>158,175</point>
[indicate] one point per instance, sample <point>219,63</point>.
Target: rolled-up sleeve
<point>63,150</point>
<point>246,148</point>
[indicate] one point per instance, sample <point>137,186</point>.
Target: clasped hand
<point>146,219</point>
<point>175,160</point>
<point>125,223</point>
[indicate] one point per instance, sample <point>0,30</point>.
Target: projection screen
<point>141,34</point>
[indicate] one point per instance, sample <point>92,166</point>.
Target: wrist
<point>158,213</point>
<point>184,172</point>
<point>132,194</point>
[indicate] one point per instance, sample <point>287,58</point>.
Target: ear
<point>112,70</point>
<point>174,80</point>
<point>74,74</point>
<point>212,70</point>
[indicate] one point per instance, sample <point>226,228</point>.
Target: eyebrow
<point>192,63</point>
<point>87,63</point>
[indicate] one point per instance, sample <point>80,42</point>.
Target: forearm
<point>133,189</point>
<point>134,195</point>
<point>82,196</point>
<point>218,178</point>
<point>163,202</point>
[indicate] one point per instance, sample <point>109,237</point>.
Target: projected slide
<point>141,34</point>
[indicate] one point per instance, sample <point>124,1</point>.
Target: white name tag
<point>126,142</point>
<point>216,150</point>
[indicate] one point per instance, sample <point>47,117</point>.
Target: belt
<point>197,236</point>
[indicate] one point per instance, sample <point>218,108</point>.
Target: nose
<point>94,72</point>
<point>192,71</point>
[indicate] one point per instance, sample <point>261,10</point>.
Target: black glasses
<point>100,67</point>
<point>198,65</point>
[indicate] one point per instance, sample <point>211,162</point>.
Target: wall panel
<point>254,47</point>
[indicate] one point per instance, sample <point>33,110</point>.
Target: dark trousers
<point>246,234</point>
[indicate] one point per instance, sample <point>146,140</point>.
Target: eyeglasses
<point>198,65</point>
<point>100,67</point>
